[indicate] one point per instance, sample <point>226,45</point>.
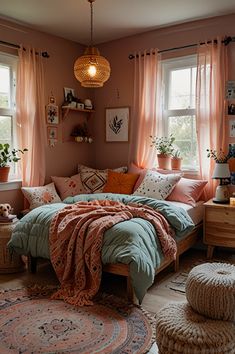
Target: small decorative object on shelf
<point>80,134</point>
<point>88,103</point>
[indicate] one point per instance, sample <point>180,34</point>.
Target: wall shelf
<point>67,109</point>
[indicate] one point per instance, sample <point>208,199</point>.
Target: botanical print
<point>52,132</point>
<point>52,114</point>
<point>117,124</point>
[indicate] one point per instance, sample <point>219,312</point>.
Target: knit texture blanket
<point>76,234</point>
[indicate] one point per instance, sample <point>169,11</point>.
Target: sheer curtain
<point>146,117</point>
<point>30,116</point>
<point>210,106</point>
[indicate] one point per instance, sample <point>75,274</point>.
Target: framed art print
<point>117,124</point>
<point>69,93</point>
<point>52,132</point>
<point>52,114</point>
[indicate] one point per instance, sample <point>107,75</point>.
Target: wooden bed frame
<point>123,269</point>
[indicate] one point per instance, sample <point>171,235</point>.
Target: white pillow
<point>156,185</point>
<point>38,196</point>
<point>94,180</point>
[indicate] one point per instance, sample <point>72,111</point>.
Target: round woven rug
<point>32,323</point>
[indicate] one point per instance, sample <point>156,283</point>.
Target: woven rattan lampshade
<point>91,69</point>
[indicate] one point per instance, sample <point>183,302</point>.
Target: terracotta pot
<point>4,172</point>
<point>164,161</point>
<point>176,163</point>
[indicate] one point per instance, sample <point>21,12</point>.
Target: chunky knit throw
<point>76,234</point>
<point>180,330</point>
<point>210,290</point>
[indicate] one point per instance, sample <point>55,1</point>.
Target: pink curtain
<point>210,106</point>
<point>30,116</point>
<point>146,117</point>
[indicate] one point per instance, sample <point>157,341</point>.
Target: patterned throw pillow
<point>94,180</point>
<point>68,186</point>
<point>122,183</point>
<point>156,185</point>
<point>38,196</point>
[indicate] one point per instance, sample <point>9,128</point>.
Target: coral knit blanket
<point>76,234</point>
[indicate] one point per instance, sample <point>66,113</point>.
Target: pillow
<point>68,186</point>
<point>94,180</point>
<point>38,196</point>
<point>122,183</point>
<point>187,191</point>
<point>137,170</point>
<point>156,185</point>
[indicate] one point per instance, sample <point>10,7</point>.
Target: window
<point>179,77</point>
<point>8,65</point>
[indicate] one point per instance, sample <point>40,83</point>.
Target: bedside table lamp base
<point>221,195</point>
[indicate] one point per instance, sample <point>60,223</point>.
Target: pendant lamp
<point>91,69</point>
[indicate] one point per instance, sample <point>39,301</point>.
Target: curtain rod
<point>226,41</point>
<point>12,45</point>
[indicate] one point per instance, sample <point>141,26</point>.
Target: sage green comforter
<point>132,242</point>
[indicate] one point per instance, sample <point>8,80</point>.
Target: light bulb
<point>92,70</point>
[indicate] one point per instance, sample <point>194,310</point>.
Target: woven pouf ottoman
<point>210,290</point>
<point>179,329</point>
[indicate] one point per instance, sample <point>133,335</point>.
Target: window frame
<point>11,62</point>
<point>168,65</point>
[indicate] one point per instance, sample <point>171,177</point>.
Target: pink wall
<point>121,80</point>
<point>62,159</point>
<point>117,92</point>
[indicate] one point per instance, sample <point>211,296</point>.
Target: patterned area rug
<point>32,323</point>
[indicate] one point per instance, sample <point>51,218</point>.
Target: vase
<point>4,172</point>
<point>164,161</point>
<point>176,163</point>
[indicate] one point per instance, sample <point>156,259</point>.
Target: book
<point>8,219</point>
<point>8,222</point>
<point>10,216</point>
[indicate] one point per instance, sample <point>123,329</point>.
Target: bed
<point>130,248</point>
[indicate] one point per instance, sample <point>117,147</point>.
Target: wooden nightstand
<point>219,226</point>
<point>8,264</point>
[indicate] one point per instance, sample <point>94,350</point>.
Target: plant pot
<point>176,163</point>
<point>4,172</point>
<point>164,161</point>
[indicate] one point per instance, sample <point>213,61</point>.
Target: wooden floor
<point>157,296</point>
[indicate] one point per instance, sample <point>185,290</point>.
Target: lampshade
<point>91,69</point>
<point>221,170</point>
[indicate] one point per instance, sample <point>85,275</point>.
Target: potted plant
<point>164,146</point>
<point>176,160</point>
<point>7,156</point>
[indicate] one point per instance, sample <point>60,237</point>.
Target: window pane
<point>6,129</point>
<point>4,86</point>
<point>184,130</point>
<point>182,88</point>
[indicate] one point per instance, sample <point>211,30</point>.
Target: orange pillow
<point>122,183</point>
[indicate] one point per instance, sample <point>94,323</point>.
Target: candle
<point>232,201</point>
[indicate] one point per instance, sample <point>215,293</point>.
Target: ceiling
<point>113,19</point>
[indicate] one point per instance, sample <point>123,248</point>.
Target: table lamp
<point>222,173</point>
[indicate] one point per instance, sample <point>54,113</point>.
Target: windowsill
<point>10,185</point>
